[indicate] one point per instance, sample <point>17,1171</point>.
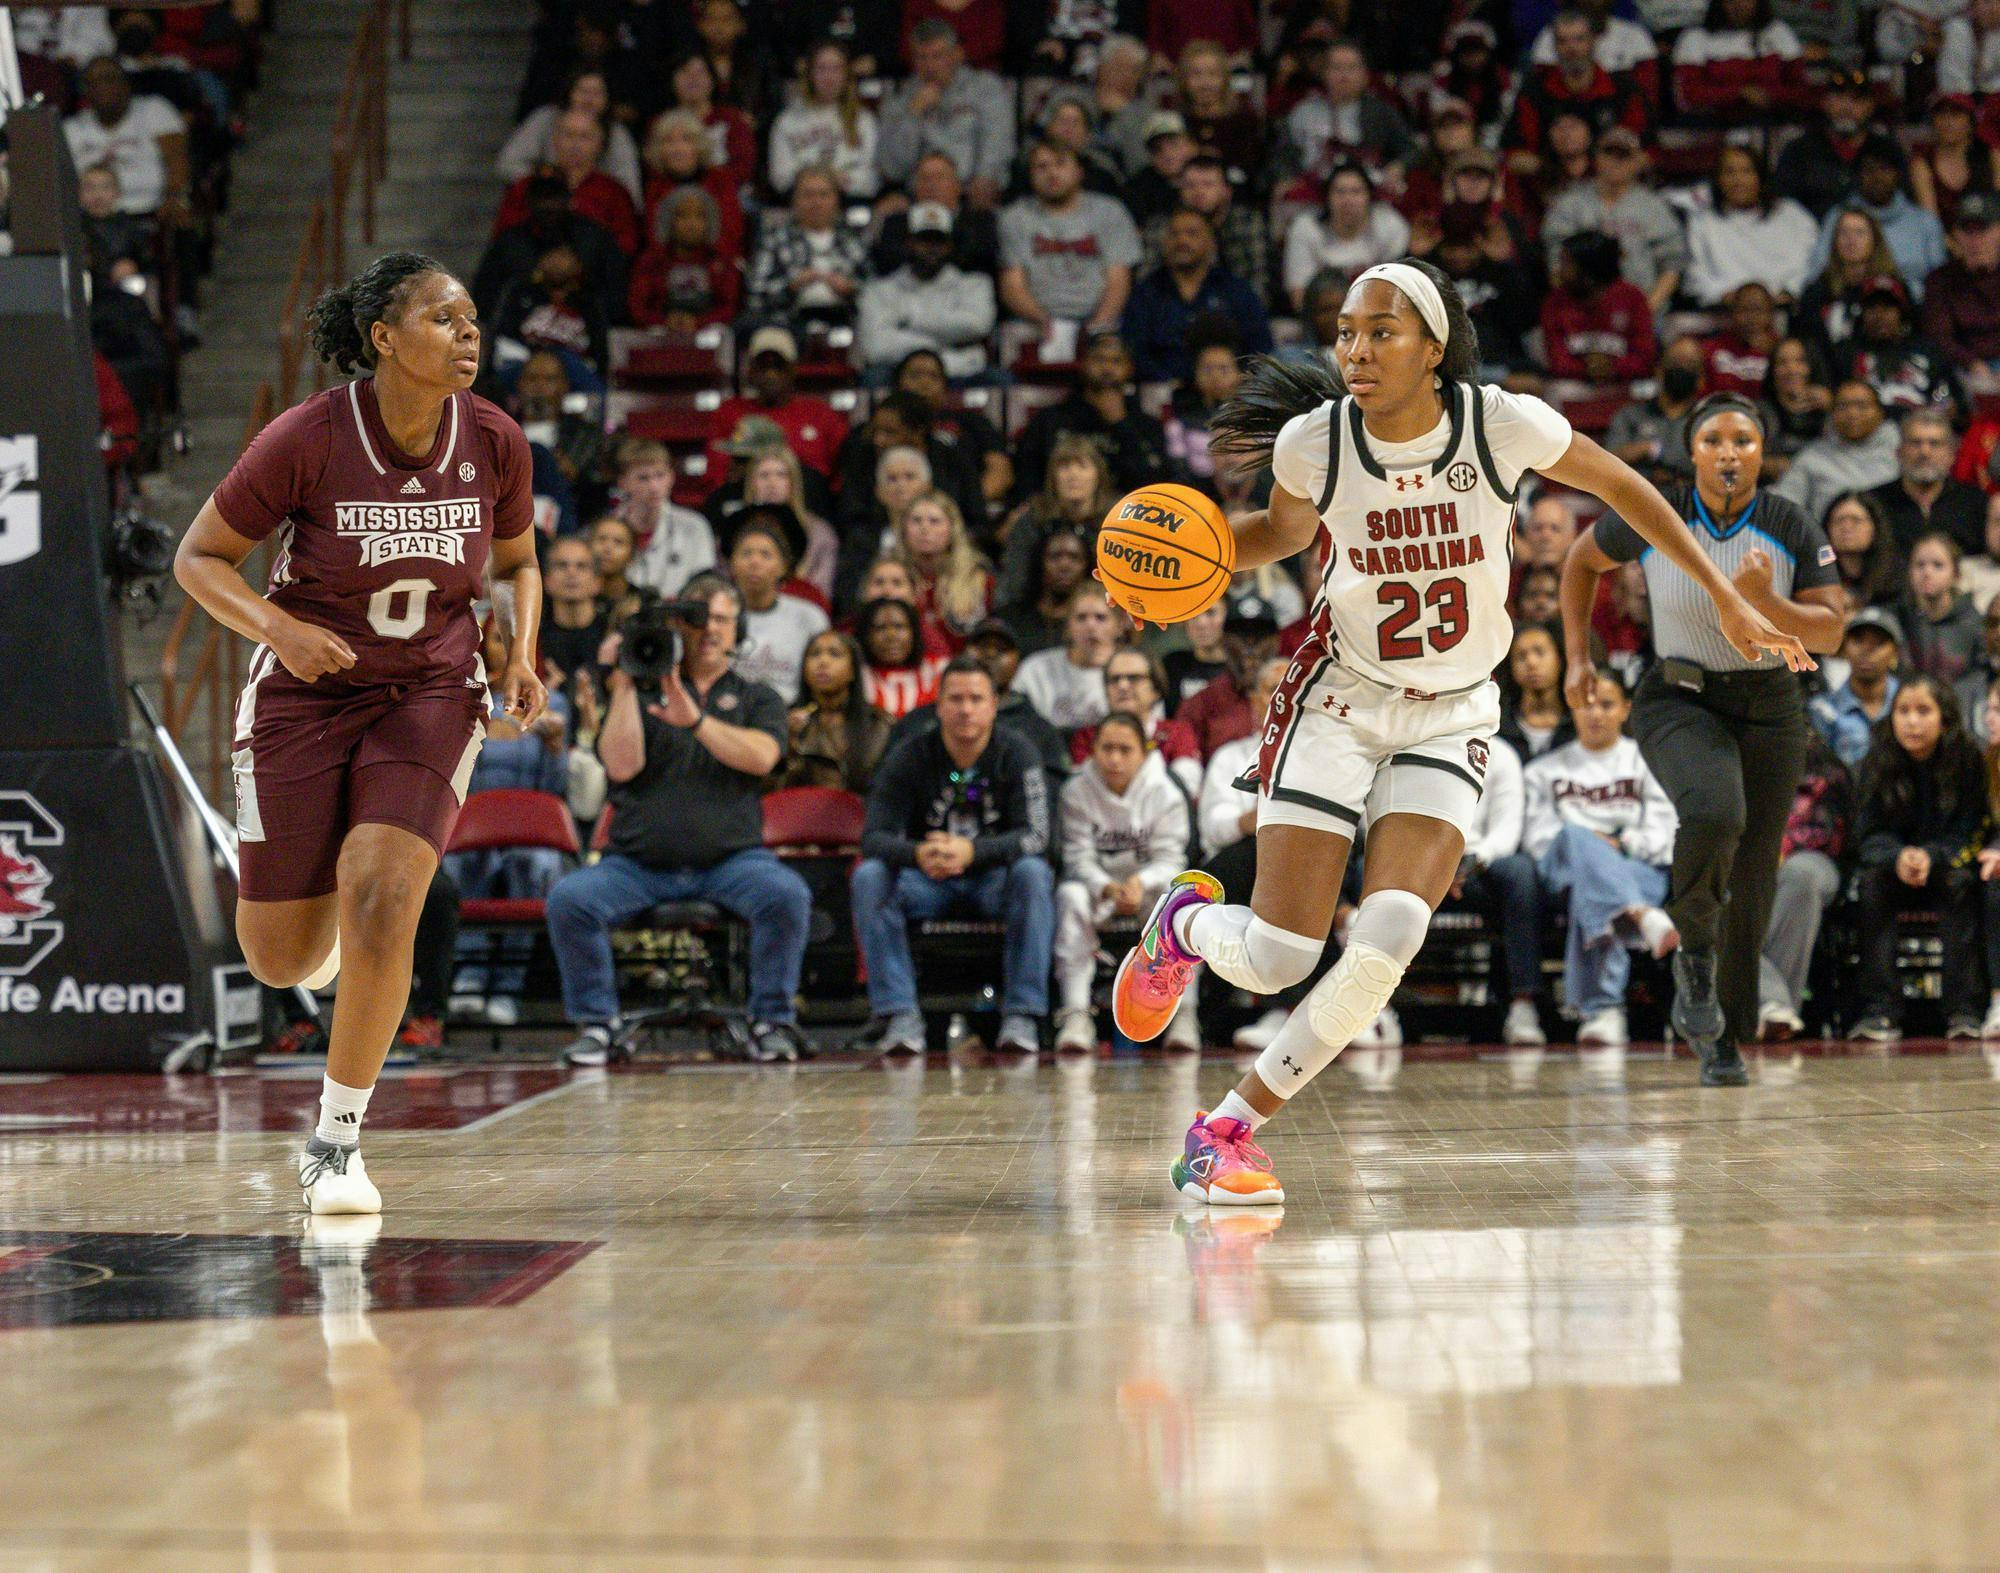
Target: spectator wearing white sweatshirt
<point>1124,828</point>
<point>927,304</point>
<point>1601,830</point>
<point>1496,877</point>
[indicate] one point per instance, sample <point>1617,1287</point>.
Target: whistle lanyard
<point>1707,519</point>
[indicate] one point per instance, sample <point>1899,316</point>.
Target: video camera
<point>651,646</point>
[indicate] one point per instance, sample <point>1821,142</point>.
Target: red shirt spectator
<point>814,429</point>
<point>1978,462</point>
<point>116,415</point>
<point>1219,714</point>
<point>574,145</point>
<point>1743,67</point>
<point>981,26</point>
<point>1616,323</point>
<point>1577,83</point>
<point>685,282</point>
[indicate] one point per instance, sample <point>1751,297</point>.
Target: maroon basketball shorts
<point>313,760</point>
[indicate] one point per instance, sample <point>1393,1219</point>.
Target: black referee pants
<point>1730,757</point>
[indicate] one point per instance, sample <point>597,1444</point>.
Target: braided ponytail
<point>341,321</point>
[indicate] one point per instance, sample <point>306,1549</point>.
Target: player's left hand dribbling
<point>526,697</point>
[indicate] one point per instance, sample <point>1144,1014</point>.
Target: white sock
<point>340,1111</point>
<point>1235,1108</point>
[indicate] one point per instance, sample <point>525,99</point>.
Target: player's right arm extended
<point>208,565</point>
<point>1272,534</point>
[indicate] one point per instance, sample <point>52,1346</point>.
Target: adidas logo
<point>413,485</point>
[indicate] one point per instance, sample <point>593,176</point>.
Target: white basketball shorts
<point>1353,751</point>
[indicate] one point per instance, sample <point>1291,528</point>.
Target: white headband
<point>1422,293</point>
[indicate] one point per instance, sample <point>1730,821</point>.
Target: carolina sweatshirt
<point>1106,836</point>
<point>1610,792</point>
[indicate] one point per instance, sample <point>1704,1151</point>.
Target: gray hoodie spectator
<point>1652,249</point>
<point>1857,453</point>
<point>928,304</point>
<point>949,108</point>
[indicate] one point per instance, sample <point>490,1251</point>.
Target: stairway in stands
<point>450,107</point>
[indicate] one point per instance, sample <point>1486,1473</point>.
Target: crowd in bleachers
<point>872,308</point>
<point>152,103</point>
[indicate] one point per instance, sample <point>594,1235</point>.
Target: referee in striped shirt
<point>1725,735</point>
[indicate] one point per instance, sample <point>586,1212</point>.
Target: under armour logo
<point>1339,707</point>
<point>1297,1069</point>
<point>1409,483</point>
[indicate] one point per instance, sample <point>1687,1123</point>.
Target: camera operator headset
<point>694,651</point>
<point>1726,737</point>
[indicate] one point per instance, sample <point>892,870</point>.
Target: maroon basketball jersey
<point>385,550</point>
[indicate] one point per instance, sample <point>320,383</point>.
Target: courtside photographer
<point>686,743</point>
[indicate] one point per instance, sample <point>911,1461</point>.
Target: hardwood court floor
<point>1512,1317</point>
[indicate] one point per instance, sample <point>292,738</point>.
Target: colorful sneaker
<point>1155,972</point>
<point>1224,1167</point>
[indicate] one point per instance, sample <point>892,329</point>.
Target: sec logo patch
<point>1461,477</point>
<point>466,472</point>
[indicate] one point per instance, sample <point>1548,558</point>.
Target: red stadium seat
<point>656,359</point>
<point>514,817</point>
<point>505,818</point>
<point>813,822</point>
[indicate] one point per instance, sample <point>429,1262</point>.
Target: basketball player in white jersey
<point>1403,472</point>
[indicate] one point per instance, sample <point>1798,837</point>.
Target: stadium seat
<point>817,831</point>
<point>506,818</point>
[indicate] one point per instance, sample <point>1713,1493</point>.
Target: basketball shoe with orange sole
<point>1221,1165</point>
<point>1155,972</point>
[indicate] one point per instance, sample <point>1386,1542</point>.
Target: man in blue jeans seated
<point>958,822</point>
<point>1601,830</point>
<point>686,770</point>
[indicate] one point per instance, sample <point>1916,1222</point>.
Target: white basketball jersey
<point>1417,560</point>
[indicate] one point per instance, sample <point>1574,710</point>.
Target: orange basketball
<point>1165,553</point>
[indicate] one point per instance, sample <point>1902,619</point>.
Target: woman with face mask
<point>1725,734</point>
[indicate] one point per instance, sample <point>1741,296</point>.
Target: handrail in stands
<point>206,680</point>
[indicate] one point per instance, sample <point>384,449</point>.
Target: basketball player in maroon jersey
<point>366,700</point>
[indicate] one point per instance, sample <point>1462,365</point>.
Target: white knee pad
<point>1388,932</point>
<point>1250,953</point>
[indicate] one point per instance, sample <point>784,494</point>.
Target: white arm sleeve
<point>1523,432</point>
<point>1298,457</point>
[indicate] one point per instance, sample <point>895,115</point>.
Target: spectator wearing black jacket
<point>958,822</point>
<point>1502,298</point>
<point>1906,370</point>
<point>1817,166</point>
<point>1924,496</point>
<point>1103,409</point>
<point>993,645</point>
<point>1923,803</point>
<point>513,254</point>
